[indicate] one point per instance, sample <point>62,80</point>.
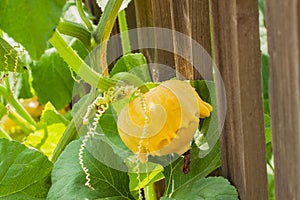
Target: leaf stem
<point>71,131</point>
<point>69,135</point>
<point>124,32</point>
<point>78,65</point>
<point>84,18</point>
<point>107,20</point>
<point>104,28</point>
<point>150,193</point>
<point>17,105</point>
<point>4,134</point>
<point>24,125</point>
<point>75,30</point>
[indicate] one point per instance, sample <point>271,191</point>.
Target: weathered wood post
<point>238,57</point>
<point>283,26</point>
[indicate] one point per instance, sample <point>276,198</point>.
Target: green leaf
<point>265,75</point>
<point>208,127</point>
<point>2,110</point>
<point>9,60</point>
<point>199,168</point>
<point>201,87</point>
<point>24,86</point>
<point>46,139</point>
<point>31,22</point>
<point>24,173</point>
<point>128,78</point>
<point>107,126</point>
<point>154,174</point>
<point>261,6</point>
<point>134,63</point>
<point>51,116</point>
<point>212,188</point>
<point>79,47</point>
<point>49,130</point>
<point>52,80</point>
<point>267,106</point>
<point>271,187</point>
<point>269,152</point>
<point>68,178</point>
<point>268,132</point>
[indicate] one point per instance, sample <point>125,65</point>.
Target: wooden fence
<point>236,50</point>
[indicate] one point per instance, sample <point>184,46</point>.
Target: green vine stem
<point>75,30</point>
<point>4,134</point>
<point>124,32</point>
<point>22,123</point>
<point>69,134</point>
<point>84,18</point>
<point>150,193</point>
<point>17,105</point>
<point>78,65</point>
<point>107,20</point>
<point>104,29</point>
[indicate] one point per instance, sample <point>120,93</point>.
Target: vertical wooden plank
<point>162,19</point>
<point>181,22</point>
<point>143,11</point>
<point>237,55</point>
<point>131,16</point>
<point>283,25</point>
<point>200,27</point>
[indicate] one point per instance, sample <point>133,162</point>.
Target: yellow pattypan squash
<point>173,109</point>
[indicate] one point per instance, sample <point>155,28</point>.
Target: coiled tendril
<point>101,103</point>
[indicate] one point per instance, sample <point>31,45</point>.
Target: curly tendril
<point>101,104</point>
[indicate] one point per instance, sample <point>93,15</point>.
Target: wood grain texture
<point>181,23</point>
<point>162,19</point>
<point>200,26</point>
<point>144,18</point>
<point>237,55</point>
<point>283,25</point>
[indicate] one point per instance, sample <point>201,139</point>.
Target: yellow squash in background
<point>173,109</point>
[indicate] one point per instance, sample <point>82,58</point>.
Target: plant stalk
<point>17,105</point>
<point>4,134</point>
<point>69,134</point>
<point>124,32</point>
<point>75,30</point>
<point>150,193</point>
<point>78,65</point>
<point>104,29</point>
<point>84,18</point>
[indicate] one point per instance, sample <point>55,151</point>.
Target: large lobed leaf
<point>199,168</point>
<point>49,130</point>
<point>31,22</point>
<point>212,188</point>
<point>9,60</point>
<point>134,63</point>
<point>68,178</point>
<point>24,173</point>
<point>52,80</point>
